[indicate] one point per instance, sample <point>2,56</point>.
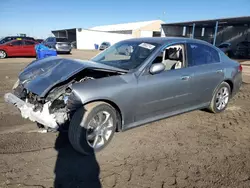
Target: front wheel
<point>2,54</point>
<point>92,127</point>
<point>221,98</point>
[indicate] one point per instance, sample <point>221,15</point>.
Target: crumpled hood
<point>41,75</point>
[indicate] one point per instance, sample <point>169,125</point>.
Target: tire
<point>3,54</point>
<point>79,127</point>
<point>222,93</point>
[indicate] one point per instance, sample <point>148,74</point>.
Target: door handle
<point>185,77</point>
<point>219,71</point>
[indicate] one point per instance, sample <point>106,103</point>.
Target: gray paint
<point>40,76</point>
<point>143,97</point>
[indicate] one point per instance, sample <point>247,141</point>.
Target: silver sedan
<point>131,83</point>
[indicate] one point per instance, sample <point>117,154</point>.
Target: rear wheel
<point>2,54</point>
<point>221,98</point>
<point>92,127</point>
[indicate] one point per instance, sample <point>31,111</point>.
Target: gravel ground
<point>196,149</point>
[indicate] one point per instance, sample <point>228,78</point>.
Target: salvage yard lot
<point>196,149</point>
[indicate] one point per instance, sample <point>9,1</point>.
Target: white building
<point>136,29</point>
<point>87,38</point>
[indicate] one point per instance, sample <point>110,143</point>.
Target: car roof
<point>19,40</point>
<point>164,40</point>
<point>17,37</point>
<point>225,43</point>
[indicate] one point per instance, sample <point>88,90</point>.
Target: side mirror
<point>10,44</point>
<point>156,68</point>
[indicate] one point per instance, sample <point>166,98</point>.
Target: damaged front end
<point>43,92</point>
<point>51,111</point>
<point>28,111</point>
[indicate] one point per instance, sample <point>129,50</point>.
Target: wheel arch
<point>115,106</point>
<point>230,83</point>
<point>5,52</point>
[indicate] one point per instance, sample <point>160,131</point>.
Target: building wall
<point>70,34</point>
<point>232,34</point>
<point>86,39</point>
<point>122,32</point>
<point>155,26</point>
<point>147,31</point>
<point>170,31</point>
<point>136,33</point>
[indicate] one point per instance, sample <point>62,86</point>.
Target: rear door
<point>29,48</point>
<point>205,63</point>
<point>15,48</point>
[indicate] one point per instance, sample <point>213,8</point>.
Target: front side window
<point>200,54</point>
<point>6,39</point>
<point>172,57</point>
<point>127,55</point>
<point>17,43</point>
<point>51,39</point>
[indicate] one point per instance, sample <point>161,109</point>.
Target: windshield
<point>4,40</point>
<point>126,55</point>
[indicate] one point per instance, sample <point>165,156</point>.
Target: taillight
<point>240,68</point>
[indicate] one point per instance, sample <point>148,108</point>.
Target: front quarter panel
<point>120,89</point>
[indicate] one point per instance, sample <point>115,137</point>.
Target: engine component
<point>86,78</point>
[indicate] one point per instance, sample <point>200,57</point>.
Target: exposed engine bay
<point>52,111</point>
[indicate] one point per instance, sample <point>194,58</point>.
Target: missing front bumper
<point>27,112</point>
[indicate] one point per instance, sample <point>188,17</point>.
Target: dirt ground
<point>196,149</point>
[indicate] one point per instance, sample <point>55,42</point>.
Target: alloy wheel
<point>222,98</point>
<point>99,129</point>
<point>2,54</point>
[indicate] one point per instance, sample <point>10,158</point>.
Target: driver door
<point>163,93</point>
<point>16,48</point>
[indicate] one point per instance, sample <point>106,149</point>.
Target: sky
<point>38,17</point>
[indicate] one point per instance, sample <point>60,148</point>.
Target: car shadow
<point>64,53</point>
<point>72,169</point>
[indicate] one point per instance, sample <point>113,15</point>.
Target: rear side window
<point>17,43</point>
<point>200,54</point>
<point>29,42</point>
